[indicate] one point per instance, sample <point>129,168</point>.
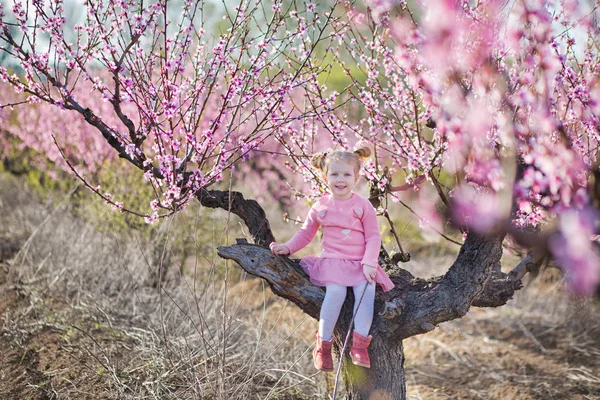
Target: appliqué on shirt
<point>358,211</point>
<point>346,232</point>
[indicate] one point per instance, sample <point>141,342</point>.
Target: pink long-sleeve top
<point>350,229</point>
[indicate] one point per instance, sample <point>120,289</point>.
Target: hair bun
<point>318,161</point>
<point>363,152</point>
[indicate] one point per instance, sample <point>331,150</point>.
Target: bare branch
<point>249,211</point>
<point>284,275</point>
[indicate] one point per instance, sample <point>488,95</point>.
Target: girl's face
<point>341,179</point>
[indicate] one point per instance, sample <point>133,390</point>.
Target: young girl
<point>350,250</point>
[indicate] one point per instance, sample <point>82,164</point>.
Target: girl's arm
<point>302,238</point>
<point>372,236</point>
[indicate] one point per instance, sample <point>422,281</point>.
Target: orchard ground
<point>71,327</point>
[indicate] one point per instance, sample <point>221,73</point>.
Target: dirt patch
<point>499,354</point>
<point>43,357</point>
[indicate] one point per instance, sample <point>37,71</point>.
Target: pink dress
<point>350,239</point>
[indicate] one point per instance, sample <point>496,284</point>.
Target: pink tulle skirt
<point>342,272</point>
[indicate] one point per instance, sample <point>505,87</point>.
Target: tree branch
<point>249,211</point>
<point>415,305</point>
<point>284,275</point>
<point>500,287</point>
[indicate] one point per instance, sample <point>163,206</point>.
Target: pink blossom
<point>479,210</point>
<point>573,249</point>
<point>426,209</point>
<point>152,218</point>
<point>381,7</point>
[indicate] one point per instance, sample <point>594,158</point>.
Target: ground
<point>43,355</point>
<point>500,354</point>
<point>490,354</point>
<point>544,344</point>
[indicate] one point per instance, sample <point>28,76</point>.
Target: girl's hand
<point>279,249</point>
<point>369,272</point>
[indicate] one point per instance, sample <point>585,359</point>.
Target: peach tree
<point>496,103</point>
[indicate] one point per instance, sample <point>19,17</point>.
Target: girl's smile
<point>341,179</point>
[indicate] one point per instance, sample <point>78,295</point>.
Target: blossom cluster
<point>497,103</point>
<point>179,96</point>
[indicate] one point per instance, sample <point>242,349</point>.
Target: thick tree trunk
<point>384,380</point>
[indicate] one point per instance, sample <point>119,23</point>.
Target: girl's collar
<point>331,198</point>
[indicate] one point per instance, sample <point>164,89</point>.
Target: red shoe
<point>359,352</point>
<point>322,355</point>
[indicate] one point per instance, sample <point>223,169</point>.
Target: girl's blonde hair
<point>321,160</point>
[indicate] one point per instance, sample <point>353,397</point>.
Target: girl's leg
<point>330,310</point>
<point>364,316</point>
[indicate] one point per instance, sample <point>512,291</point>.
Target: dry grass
<point>82,317</point>
<point>82,313</point>
<point>544,344</point>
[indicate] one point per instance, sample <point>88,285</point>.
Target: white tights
<point>332,305</point>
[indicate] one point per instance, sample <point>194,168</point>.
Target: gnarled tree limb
<point>440,299</point>
<point>249,211</point>
<point>284,275</point>
<point>413,307</point>
<point>500,287</point>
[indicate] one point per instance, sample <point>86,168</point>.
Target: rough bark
<point>385,380</point>
<point>285,276</point>
<point>427,303</point>
<point>249,211</point>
